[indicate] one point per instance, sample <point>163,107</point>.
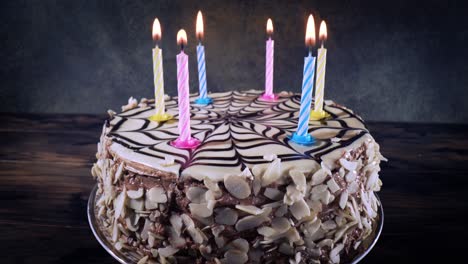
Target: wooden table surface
<point>45,181</point>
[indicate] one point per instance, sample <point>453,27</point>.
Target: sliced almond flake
<point>118,173</point>
<point>329,225</point>
<point>226,216</point>
<point>149,205</point>
<point>318,177</point>
<point>372,180</point>
<point>167,251</point>
<point>273,194</point>
<point>333,186</point>
<point>266,231</point>
<point>353,187</point>
<point>348,165</point>
<point>256,186</point>
<point>247,173</point>
<point>196,235</point>
<point>201,210</point>
<point>145,230</point>
<point>281,211</point>
<point>326,167</point>
<point>343,199</point>
<point>216,230</point>
<point>335,253</point>
<point>157,194</point>
<point>213,187</point>
<point>143,260</point>
<point>249,209</point>
<point>176,222</point>
<point>188,222</point>
<point>280,224</point>
<point>272,173</point>
<point>252,221</point>
<point>239,244</point>
<point>132,194</point>
<point>115,231</point>
<point>196,194</point>
<point>118,246</point>
<point>273,205</point>
<point>299,179</point>
<point>237,186</point>
<point>325,243</point>
<point>119,204</point>
<point>235,257</point>
<point>351,176</point>
<point>299,209</point>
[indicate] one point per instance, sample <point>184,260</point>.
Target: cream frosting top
<point>238,130</point>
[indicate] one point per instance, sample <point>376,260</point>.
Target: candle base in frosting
<point>191,143</point>
<point>269,97</point>
<point>160,118</point>
<point>318,115</point>
<point>302,140</point>
<point>204,101</point>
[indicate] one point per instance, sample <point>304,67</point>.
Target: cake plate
<point>126,257</point>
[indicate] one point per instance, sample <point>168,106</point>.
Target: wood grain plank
<point>32,244</point>
<point>44,147</point>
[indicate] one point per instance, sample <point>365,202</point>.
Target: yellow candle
<point>159,104</point>
<point>321,65</point>
<point>158,82</point>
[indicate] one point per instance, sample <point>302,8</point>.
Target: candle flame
<point>181,37</point>
<point>156,30</point>
<point>310,32</point>
<point>323,31</point>
<point>269,27</point>
<point>199,28</point>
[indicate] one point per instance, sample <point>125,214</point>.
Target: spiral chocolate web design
<point>236,131</point>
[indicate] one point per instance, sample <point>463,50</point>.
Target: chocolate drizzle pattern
<point>236,131</point>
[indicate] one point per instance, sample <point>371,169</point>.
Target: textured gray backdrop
<point>388,60</point>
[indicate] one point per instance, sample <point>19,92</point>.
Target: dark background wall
<point>388,60</point>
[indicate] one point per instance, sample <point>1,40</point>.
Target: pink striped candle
<point>185,139</point>
<point>269,59</point>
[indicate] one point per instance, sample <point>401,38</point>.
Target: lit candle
<point>185,139</point>
<point>159,104</point>
<point>203,99</point>
<point>302,136</point>
<point>318,112</point>
<point>269,59</point>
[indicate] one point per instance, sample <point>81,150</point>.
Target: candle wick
<point>181,47</point>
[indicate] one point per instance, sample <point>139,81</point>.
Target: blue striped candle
<point>302,135</point>
<point>203,99</point>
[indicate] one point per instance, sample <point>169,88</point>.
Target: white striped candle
<point>201,70</point>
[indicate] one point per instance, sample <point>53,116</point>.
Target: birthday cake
<point>247,194</point>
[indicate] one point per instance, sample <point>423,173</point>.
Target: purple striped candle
<point>185,139</point>
<point>269,62</point>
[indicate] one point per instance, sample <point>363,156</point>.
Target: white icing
<point>237,131</point>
